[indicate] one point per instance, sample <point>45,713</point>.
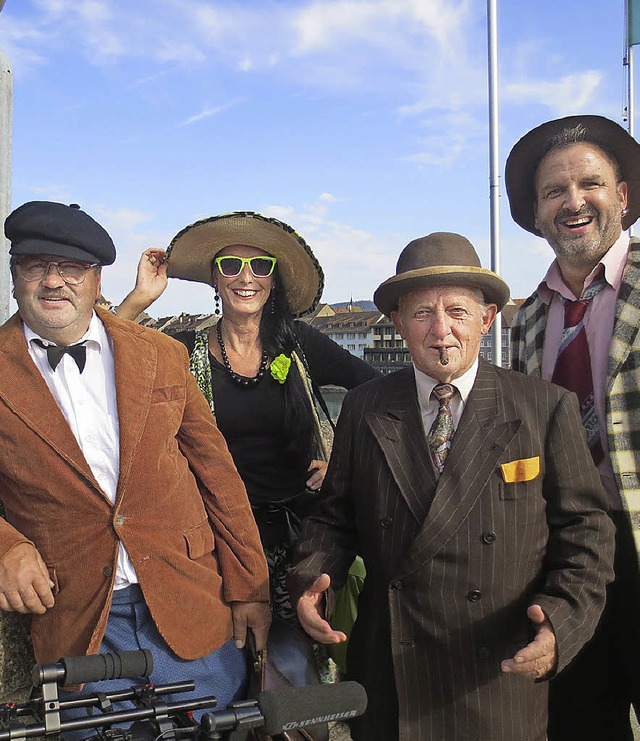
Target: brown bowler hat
<point>441,258</point>
<point>523,161</point>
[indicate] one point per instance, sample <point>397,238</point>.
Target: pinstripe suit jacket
<point>622,399</point>
<point>452,566</point>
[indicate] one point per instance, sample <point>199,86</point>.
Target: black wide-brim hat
<point>441,258</point>
<point>523,161</point>
<point>193,249</point>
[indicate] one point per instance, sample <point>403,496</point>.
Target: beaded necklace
<point>240,380</point>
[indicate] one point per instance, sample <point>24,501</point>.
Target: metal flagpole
<point>494,166</point>
<point>6,132</point>
<point>628,62</point>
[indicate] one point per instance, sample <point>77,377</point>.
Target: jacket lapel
<point>400,434</point>
<point>480,440</point>
<point>530,342</point>
<point>135,374</point>
<point>26,393</point>
<point>625,328</point>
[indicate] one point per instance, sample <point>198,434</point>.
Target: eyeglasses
<point>72,273</point>
<point>261,266</point>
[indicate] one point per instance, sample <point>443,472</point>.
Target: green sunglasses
<point>231,266</point>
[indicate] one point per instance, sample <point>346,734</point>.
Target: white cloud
<point>448,136</point>
<point>570,94</point>
<point>209,111</point>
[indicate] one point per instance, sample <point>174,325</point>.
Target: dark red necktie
<point>573,365</point>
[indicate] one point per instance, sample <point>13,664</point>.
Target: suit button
<point>386,522</point>
<point>489,537</point>
<point>483,652</point>
<point>474,595</point>
<point>119,520</point>
<point>107,571</point>
<point>397,584</point>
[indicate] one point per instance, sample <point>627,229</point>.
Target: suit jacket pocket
<point>167,393</point>
<point>525,469</point>
<point>200,540</point>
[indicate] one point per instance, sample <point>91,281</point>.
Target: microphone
<point>298,707</point>
<point>278,711</point>
<point>94,668</point>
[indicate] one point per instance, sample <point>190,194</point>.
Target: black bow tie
<point>55,352</point>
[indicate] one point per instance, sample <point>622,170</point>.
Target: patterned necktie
<point>55,352</point>
<point>573,365</point>
<point>442,429</point>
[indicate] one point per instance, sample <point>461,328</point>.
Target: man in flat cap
<point>127,523</point>
<point>479,515</point>
<point>575,182</point>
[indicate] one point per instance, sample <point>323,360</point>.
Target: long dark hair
<point>277,334</point>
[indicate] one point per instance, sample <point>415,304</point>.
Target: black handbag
<point>288,661</point>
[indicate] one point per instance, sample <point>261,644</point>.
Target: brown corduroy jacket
<point>181,509</point>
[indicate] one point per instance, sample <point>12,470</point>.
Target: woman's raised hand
<point>151,281</point>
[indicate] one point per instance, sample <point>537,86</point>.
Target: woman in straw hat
<point>257,366</point>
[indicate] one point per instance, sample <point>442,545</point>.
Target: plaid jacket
<point>622,401</point>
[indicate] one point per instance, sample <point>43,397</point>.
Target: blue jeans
<point>223,672</point>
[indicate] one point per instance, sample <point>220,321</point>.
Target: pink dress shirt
<point>598,321</point>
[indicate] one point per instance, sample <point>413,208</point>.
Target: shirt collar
<point>93,335</point>
<point>425,384</point>
<point>612,262</point>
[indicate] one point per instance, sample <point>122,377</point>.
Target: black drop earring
<point>216,301</point>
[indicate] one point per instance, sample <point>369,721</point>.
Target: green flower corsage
<point>280,367</point>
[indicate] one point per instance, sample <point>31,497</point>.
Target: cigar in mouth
<point>444,356</point>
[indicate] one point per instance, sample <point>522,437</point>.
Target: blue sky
<point>362,123</point>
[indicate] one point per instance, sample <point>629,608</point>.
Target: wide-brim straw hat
<point>441,258</point>
<point>523,161</point>
<point>192,250</point>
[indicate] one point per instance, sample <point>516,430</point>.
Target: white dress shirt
<point>88,402</point>
<point>429,404</point>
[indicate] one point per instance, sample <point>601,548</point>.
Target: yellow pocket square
<point>526,469</point>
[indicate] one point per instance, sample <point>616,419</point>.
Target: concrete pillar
<point>6,131</point>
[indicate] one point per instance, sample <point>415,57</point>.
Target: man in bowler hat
<point>575,182</point>
<point>477,510</point>
<point>127,523</point>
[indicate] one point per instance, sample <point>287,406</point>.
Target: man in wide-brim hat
<point>575,181</point>
<point>448,477</point>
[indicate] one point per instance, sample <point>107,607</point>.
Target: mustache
<point>585,210</point>
<point>52,293</point>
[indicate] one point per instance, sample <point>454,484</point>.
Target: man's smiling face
<point>55,310</point>
<point>579,203</point>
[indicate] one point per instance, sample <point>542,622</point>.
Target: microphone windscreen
<point>298,707</point>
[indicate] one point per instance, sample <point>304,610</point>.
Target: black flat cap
<point>48,228</point>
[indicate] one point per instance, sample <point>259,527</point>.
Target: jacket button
<point>474,595</point>
<point>107,571</point>
<point>489,537</point>
<point>119,520</point>
<point>483,652</point>
<point>397,584</point>
<point>386,522</point>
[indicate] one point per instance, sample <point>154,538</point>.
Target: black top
<point>252,418</point>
